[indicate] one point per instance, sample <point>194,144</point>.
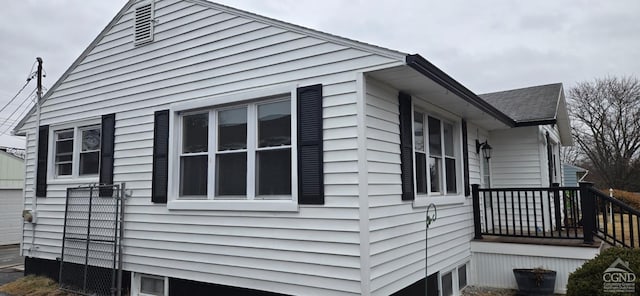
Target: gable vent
<point>143,24</point>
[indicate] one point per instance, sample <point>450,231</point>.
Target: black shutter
<point>406,146</point>
<point>106,153</point>
<point>310,158</point>
<point>465,158</point>
<point>43,151</point>
<point>160,157</point>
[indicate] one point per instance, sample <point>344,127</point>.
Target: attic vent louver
<point>143,24</point>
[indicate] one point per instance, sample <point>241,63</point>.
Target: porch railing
<point>615,222</point>
<point>555,212</point>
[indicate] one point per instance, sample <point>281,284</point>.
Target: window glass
<point>447,284</point>
<point>231,174</point>
<point>193,175</point>
<point>274,172</point>
<point>435,141</point>
<point>418,131</point>
<point>462,276</point>
<point>91,139</point>
<point>89,163</point>
<point>64,152</point>
<point>421,172</point>
<point>447,130</point>
<point>151,285</point>
<point>90,151</point>
<point>450,168</point>
<point>195,133</point>
<point>274,124</point>
<point>232,129</point>
<point>435,174</point>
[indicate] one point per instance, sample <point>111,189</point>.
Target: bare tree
<point>571,155</point>
<point>606,117</point>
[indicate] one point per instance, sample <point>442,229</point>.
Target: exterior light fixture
<point>486,148</point>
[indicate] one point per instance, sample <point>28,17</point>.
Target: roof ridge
<point>522,88</point>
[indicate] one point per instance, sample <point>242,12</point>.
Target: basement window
<point>149,285</point>
<point>143,23</point>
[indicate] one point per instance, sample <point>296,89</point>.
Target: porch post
<point>475,193</point>
<point>588,207</point>
<point>556,205</point>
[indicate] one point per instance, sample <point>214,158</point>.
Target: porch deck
<point>567,242</point>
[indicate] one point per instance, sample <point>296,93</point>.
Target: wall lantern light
<point>486,149</point>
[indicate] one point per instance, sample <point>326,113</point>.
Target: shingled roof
<point>530,104</point>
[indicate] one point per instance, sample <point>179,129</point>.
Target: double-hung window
<point>237,152</point>
<point>76,151</point>
<point>435,155</point>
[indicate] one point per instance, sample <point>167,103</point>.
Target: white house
<point>267,156</point>
<point>11,197</point>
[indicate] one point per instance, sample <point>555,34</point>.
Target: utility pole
<point>39,91</point>
<point>34,199</point>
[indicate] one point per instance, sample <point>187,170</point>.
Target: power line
<point>29,77</point>
<point>15,111</point>
<point>14,97</point>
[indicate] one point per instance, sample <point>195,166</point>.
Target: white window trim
<point>136,281</point>
<point>222,101</point>
<point>52,177</point>
<point>437,198</point>
<point>455,285</point>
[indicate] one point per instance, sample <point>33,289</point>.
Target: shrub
<point>630,198</point>
<point>587,279</point>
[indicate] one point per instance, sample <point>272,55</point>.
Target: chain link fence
<point>89,258</point>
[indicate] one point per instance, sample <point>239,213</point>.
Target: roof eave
<point>536,122</point>
<point>432,72</point>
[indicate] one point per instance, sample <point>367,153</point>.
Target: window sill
<point>70,180</point>
<point>234,205</point>
<point>445,200</point>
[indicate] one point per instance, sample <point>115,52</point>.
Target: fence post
<point>556,204</point>
<point>588,207</point>
<point>475,193</point>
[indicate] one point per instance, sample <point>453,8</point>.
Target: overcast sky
<point>486,45</point>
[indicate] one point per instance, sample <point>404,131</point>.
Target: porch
<point>572,216</point>
<point>557,228</point>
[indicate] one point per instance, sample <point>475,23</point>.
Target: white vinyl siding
<point>397,228</point>
<point>199,53</point>
<point>516,158</point>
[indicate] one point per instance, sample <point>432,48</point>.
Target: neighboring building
<point>572,174</point>
<point>264,155</point>
<point>11,197</point>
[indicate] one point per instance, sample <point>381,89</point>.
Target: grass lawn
<point>33,286</point>
<point>620,220</point>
